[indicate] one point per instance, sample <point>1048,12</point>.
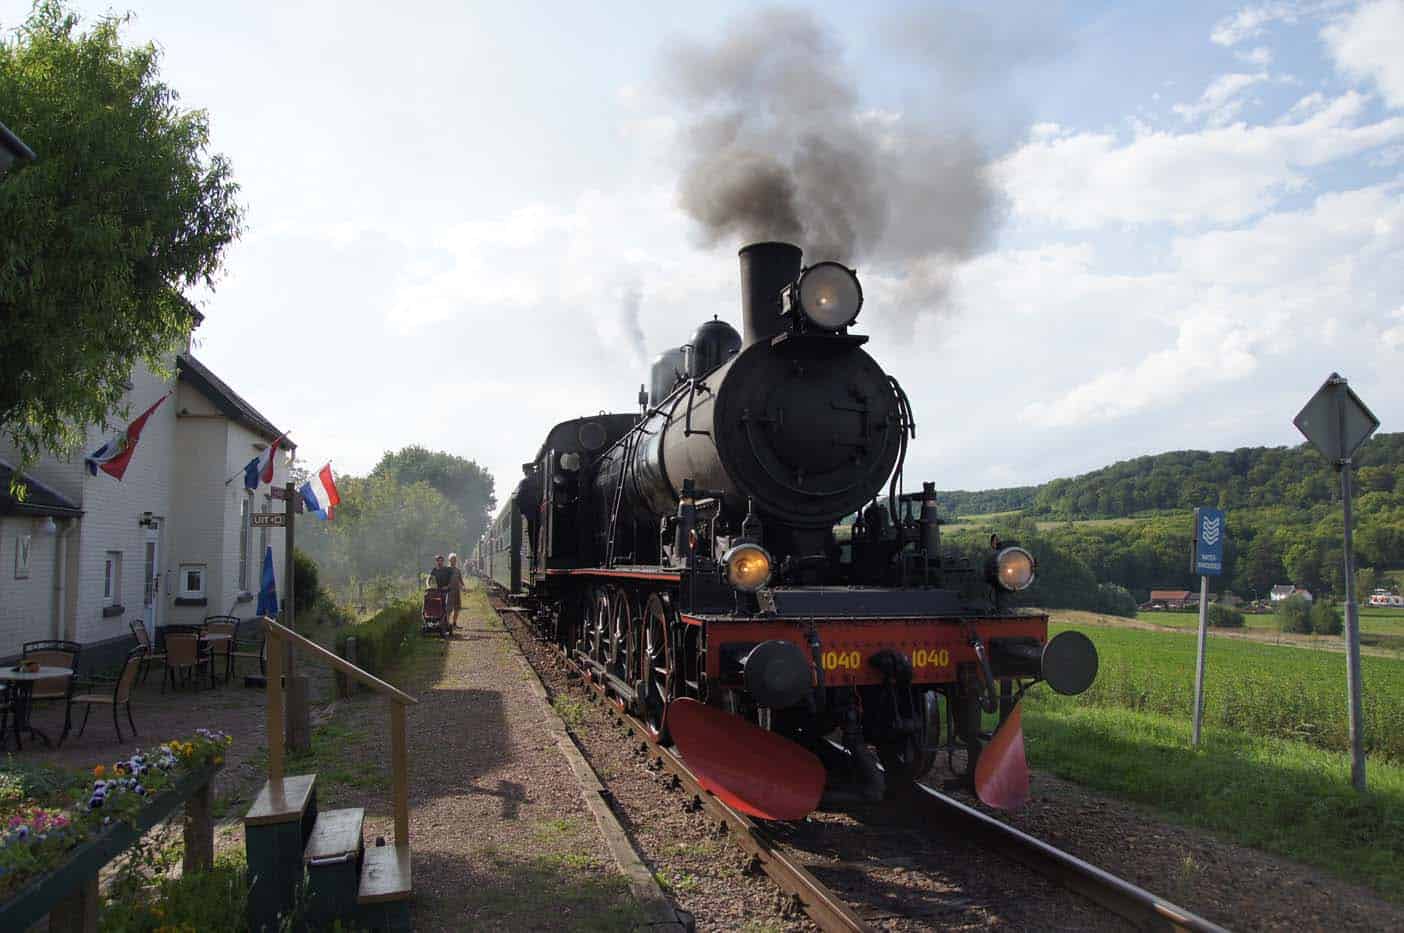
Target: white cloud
<point>1219,175</point>
<point>1292,285</point>
<point>1368,44</point>
<point>1221,100</point>
<point>1393,337</point>
<point>1251,21</point>
<point>1260,56</point>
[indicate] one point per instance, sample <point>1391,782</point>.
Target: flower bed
<point>59,828</point>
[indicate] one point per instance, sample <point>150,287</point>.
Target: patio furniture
<point>21,683</point>
<point>218,634</point>
<point>183,654</point>
<point>253,648</point>
<point>143,641</point>
<point>93,692</point>
<point>53,653</point>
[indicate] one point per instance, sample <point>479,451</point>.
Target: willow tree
<point>123,209</point>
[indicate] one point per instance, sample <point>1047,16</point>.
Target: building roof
<point>226,399</point>
<point>40,500</point>
<point>1283,589</point>
<point>1170,594</point>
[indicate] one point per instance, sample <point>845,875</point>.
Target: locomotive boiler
<point>740,564</point>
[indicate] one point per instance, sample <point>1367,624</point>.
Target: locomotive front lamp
<point>827,295</point>
<point>747,567</point>
<point>1014,569</point>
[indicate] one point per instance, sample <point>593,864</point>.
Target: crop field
<point>1250,687</point>
<point>1379,628</point>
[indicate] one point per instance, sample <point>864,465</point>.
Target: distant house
<point>1173,599</point>
<point>1281,591</point>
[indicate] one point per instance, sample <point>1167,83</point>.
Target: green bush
<point>306,587</point>
<point>1294,615</point>
<point>380,639</point>
<point>1223,617</point>
<point>1326,618</point>
<point>215,901</point>
<point>1115,600</point>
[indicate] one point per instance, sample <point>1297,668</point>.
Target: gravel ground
<point>902,878</point>
<point>896,878</point>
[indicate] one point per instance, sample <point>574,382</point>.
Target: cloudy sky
<point>1086,232</point>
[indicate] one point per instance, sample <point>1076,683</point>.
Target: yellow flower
<point>99,771</point>
<point>219,759</point>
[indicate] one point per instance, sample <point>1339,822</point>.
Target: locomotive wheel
<point>658,668</point>
<point>621,623</point>
<point>908,760</point>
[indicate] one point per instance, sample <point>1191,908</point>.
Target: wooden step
<point>336,833</point>
<point>385,875</point>
<point>283,803</point>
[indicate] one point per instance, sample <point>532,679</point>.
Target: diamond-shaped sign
<point>1335,420</point>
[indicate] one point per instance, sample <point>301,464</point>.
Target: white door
<point>151,601</point>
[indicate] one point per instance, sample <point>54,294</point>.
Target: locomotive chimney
<point>766,268</point>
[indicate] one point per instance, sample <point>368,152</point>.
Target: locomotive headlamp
<point>1014,568</point>
<point>827,295</point>
<point>747,567</point>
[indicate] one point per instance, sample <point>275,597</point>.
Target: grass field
<point>1254,688</point>
<point>1379,628</point>
<point>1273,794</point>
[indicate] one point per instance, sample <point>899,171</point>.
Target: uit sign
<point>268,519</point>
<point>1209,534</point>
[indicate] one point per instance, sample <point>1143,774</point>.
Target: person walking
<point>456,586</point>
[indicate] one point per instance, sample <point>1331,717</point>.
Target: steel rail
<point>810,895</point>
<point>1138,905</point>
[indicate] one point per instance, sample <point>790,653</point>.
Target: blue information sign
<point>1209,534</point>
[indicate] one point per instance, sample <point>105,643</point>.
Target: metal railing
<point>283,637</point>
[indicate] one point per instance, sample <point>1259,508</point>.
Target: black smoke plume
<point>776,145</point>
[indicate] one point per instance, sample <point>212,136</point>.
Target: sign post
<point>1207,561</point>
<point>1337,423</point>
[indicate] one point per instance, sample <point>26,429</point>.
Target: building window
<point>22,544</point>
<point>192,581</point>
<point>112,579</point>
<point>244,544</point>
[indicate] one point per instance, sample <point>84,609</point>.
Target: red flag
<point>112,458</point>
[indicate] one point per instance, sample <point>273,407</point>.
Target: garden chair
<point>183,654</point>
<point>143,641</point>
<point>93,692</point>
<point>254,647</point>
<point>53,653</point>
<point>222,647</point>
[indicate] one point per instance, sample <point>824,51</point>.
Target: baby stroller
<point>435,618</point>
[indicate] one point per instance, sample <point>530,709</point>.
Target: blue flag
<point>268,589</point>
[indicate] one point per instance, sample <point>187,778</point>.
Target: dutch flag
<point>319,493</point>
<point>260,468</point>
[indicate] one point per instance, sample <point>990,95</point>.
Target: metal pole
<point>1199,660</point>
<point>1352,621</point>
<point>299,727</point>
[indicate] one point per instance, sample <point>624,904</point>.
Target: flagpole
<point>242,469</point>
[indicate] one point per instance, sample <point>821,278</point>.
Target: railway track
<point>937,810</point>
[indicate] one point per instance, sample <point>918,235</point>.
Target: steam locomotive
<point>739,564</point>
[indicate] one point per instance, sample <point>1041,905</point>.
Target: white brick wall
<point>26,606</point>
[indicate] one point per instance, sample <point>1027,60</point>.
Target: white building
<point>169,543</point>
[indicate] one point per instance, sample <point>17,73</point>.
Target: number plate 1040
<point>853,660</point>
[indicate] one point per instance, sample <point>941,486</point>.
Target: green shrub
<point>215,901</point>
<point>381,638</point>
<point>1294,615</point>
<point>1223,617</point>
<point>306,587</point>
<point>1115,600</point>
<point>1326,618</point>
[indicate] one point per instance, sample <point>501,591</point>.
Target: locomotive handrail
<point>282,637</point>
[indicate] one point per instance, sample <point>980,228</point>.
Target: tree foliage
<point>1326,618</point>
<point>122,209</point>
<point>462,482</point>
<point>1223,617</point>
<point>1294,615</point>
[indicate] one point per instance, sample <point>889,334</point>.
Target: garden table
<point>217,644</point>
<point>21,686</point>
